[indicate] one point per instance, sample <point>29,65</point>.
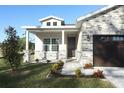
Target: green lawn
<point>34,75</point>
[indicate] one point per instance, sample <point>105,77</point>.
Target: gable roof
<point>97,13</point>
<point>51,17</point>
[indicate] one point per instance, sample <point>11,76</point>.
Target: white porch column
<point>62,53</point>
<point>63,37</point>
<point>27,47</point>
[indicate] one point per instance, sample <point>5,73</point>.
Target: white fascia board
<point>53,30</point>
<point>54,17</point>
<point>26,27</point>
<point>49,27</point>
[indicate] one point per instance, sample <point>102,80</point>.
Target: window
<point>118,38</point>
<point>62,23</point>
<point>121,39</point>
<point>55,42</point>
<point>47,41</point>
<point>54,23</point>
<point>46,47</point>
<point>47,44</point>
<point>48,23</point>
<point>108,38</point>
<point>51,44</point>
<point>55,47</point>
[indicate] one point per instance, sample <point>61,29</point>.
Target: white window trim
<point>50,45</point>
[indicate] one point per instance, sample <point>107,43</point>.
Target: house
<point>55,39</point>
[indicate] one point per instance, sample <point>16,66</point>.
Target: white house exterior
<point>55,39</point>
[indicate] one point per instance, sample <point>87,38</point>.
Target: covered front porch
<point>53,43</point>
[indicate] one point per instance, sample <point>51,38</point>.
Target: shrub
<point>37,60</point>
<point>52,72</point>
<point>48,61</point>
<point>78,72</point>
<point>55,67</point>
<point>99,74</point>
<point>88,65</point>
<point>61,63</point>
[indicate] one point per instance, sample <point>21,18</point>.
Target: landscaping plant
<point>10,48</point>
<point>55,67</point>
<point>37,60</point>
<point>99,74</point>
<point>61,63</point>
<point>78,72</point>
<point>88,66</point>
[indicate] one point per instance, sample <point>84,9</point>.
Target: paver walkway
<point>69,68</point>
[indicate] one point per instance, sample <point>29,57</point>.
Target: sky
<point>21,15</point>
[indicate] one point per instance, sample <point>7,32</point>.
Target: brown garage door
<point>108,50</point>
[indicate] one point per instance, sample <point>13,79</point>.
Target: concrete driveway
<point>115,75</point>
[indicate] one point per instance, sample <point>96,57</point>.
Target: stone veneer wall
<point>50,55</point>
<point>111,22</point>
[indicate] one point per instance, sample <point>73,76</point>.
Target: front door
<point>71,46</point>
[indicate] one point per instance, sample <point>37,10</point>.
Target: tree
<point>10,48</point>
<point>22,43</point>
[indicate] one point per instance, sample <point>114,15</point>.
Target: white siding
<point>51,22</point>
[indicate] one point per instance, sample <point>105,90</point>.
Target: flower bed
<point>86,71</point>
<point>89,71</point>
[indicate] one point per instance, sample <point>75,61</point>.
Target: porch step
<point>71,59</point>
